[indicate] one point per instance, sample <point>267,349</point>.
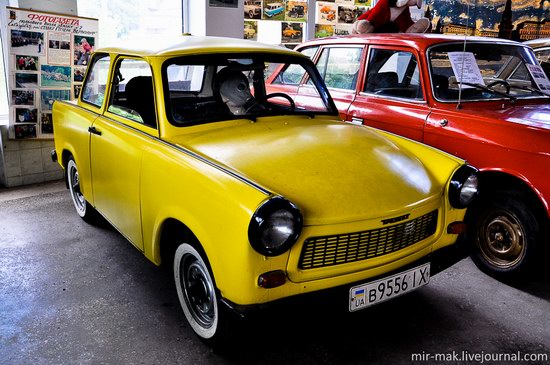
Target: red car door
<point>392,96</point>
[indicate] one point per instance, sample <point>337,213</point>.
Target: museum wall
<point>25,162</point>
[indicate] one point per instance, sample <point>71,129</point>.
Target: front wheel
<point>505,237</point>
<point>83,208</point>
<point>197,294</point>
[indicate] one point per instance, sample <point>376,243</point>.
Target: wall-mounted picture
<point>324,30</point>
<point>22,97</point>
<point>292,32</point>
<point>46,123</point>
<point>346,14</point>
<point>25,131</point>
<point>55,76</point>
<point>363,2</point>
<point>26,42</point>
<point>274,10</point>
<point>47,97</point>
<point>296,11</point>
<point>26,80</point>
<point>223,3</point>
<point>26,63</point>
<point>343,29</point>
<point>59,48</point>
<point>346,2</point>
<point>252,9</point>
<point>83,48</point>
<point>76,91</point>
<point>250,30</point>
<point>78,73</point>
<point>26,115</point>
<point>326,13</point>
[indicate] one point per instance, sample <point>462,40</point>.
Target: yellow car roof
<point>187,44</point>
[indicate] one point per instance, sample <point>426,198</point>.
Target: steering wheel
<point>500,82</point>
<point>284,96</point>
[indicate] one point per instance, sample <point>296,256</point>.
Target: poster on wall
<point>48,54</point>
<point>223,3</point>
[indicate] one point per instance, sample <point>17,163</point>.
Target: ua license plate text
<point>378,291</point>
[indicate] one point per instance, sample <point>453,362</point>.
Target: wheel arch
<point>494,182</point>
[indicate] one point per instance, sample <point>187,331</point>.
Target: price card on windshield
<point>465,68</point>
<point>540,78</point>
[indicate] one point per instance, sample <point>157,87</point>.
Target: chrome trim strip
<point>192,154</point>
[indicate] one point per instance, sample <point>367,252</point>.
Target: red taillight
<point>272,279</point>
<point>456,228</point>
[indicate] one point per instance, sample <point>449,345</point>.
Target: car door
<point>392,96</point>
<point>118,141</point>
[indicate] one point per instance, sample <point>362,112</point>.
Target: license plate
<point>365,295</point>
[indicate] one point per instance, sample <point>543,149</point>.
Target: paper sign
<point>540,78</point>
<point>465,68</point>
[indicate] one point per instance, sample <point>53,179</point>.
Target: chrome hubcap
<point>74,182</point>
<point>502,240</point>
<point>198,291</point>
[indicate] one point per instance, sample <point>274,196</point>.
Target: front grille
<point>350,247</point>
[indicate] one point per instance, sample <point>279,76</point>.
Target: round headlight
<point>463,187</point>
<point>275,227</point>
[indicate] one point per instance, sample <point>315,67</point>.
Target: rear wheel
<point>83,208</point>
<point>505,237</point>
<point>198,295</point>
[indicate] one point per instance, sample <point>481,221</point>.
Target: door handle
<point>355,120</point>
<point>443,122</point>
<point>93,130</point>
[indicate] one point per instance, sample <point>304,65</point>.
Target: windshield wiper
<point>485,88</point>
<point>531,89</point>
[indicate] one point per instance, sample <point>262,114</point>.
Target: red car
<point>483,99</point>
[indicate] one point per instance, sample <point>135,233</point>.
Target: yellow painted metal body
<point>344,178</point>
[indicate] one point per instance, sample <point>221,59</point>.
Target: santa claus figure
<point>391,16</point>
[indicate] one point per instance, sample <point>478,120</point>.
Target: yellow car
<point>252,198</point>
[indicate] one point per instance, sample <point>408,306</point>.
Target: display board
<point>275,21</point>
<point>48,55</point>
<point>337,17</point>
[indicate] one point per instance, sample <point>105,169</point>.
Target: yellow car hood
<point>334,172</point>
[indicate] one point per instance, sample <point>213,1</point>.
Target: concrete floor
<point>73,293</point>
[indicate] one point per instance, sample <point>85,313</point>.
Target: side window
<point>339,66</point>
<point>293,74</point>
<point>393,73</point>
<point>132,95</point>
<point>96,81</point>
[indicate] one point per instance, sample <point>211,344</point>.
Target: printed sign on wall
<point>48,57</point>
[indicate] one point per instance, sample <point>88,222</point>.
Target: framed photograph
<point>83,48</point>
<point>46,123</point>
<point>296,11</point>
<point>26,42</point>
<point>76,90</point>
<point>47,97</point>
<point>55,76</point>
<point>273,10</point>
<point>26,63</point>
<point>78,73</point>
<point>292,32</point>
<point>223,3</point>
<point>26,80</point>
<point>323,30</point>
<point>347,14</point>
<point>250,30</point>
<point>26,115</point>
<point>326,13</point>
<point>253,9</point>
<point>25,131</point>
<point>22,97</point>
<point>59,48</point>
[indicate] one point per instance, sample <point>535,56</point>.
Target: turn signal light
<point>456,228</point>
<point>272,279</point>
